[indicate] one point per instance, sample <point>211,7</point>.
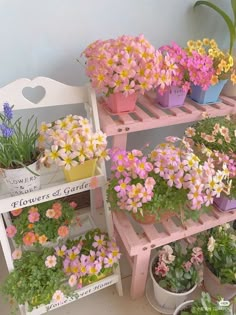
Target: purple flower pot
<point>224,203</point>
<point>174,96</point>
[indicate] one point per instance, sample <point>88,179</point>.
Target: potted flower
<point>186,69</point>
<point>52,274</point>
<point>222,69</point>
<point>204,306</point>
<point>219,250</point>
<point>41,225</point>
<point>71,143</point>
<point>229,88</point>
<point>19,153</point>
<point>175,273</point>
<point>123,67</point>
<point>216,136</point>
<point>170,180</point>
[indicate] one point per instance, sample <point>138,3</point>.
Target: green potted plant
<point>229,88</point>
<point>19,155</point>
<point>218,245</point>
<point>204,306</point>
<point>169,180</point>
<point>72,144</point>
<point>175,273</point>
<point>41,225</point>
<point>216,136</point>
<point>49,275</point>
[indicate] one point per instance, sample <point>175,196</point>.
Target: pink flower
<point>17,254</point>
<point>72,280</point>
<point>197,256</point>
<point>16,212</point>
<point>73,204</point>
<point>11,231</point>
<point>51,261</point>
<point>162,269</point>
<point>63,231</point>
<point>33,217</point>
<point>58,296</point>
<point>187,266</point>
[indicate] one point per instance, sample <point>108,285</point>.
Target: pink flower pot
<point>224,203</point>
<point>215,288</point>
<point>119,103</point>
<point>174,96</point>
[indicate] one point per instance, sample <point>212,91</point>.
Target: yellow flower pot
<point>81,171</point>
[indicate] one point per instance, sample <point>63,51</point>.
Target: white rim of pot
<point>182,306</point>
<point>169,292</point>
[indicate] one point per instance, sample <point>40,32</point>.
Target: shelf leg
<point>139,274</point>
<point>119,287</point>
<point>5,245</point>
<point>119,141</point>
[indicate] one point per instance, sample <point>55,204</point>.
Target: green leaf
<point>233,5</point>
<point>227,19</point>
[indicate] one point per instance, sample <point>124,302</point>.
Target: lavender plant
<point>18,145</point>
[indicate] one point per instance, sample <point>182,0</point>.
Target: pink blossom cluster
<point>182,169</point>
<point>200,69</point>
<point>79,266</point>
<point>167,260</point>
<point>127,167</point>
<point>127,64</point>
<point>189,68</point>
<point>71,141</point>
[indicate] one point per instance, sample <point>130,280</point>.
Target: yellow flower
<point>213,43</point>
<point>206,41</point>
<point>214,79</point>
<point>201,51</point>
<point>233,78</point>
<point>199,44</point>
<point>191,44</point>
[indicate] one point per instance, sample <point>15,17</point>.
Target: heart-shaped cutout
<point>34,95</point>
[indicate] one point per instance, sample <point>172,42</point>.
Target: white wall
<point>45,37</point>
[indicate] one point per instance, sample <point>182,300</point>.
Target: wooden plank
<point>229,101</point>
<point>150,231</point>
<point>142,115</point>
<point>126,119</point>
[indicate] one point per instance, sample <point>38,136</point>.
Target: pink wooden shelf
<point>148,115</point>
<point>140,239</point>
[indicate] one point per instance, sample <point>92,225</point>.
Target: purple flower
<point>7,111</point>
<point>6,131</point>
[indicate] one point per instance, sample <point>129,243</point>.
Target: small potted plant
<point>175,273</point>
<point>219,250</point>
<point>216,136</point>
<point>170,180</point>
<point>222,63</point>
<point>41,225</point>
<point>19,155</point>
<point>52,274</point>
<point>204,306</point>
<point>122,68</point>
<point>186,69</point>
<point>71,143</point>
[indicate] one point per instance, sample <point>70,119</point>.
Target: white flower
<point>58,296</point>
<point>51,261</point>
<point>165,254</point>
<point>211,244</point>
<point>226,226</point>
<point>72,280</point>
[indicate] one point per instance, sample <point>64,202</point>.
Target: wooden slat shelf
<point>149,115</point>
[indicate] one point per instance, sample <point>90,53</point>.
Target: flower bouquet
<point>43,224</point>
<point>170,180</point>
<point>175,273</point>
<point>186,68</point>
<point>71,143</point>
<point>123,67</point>
<point>52,274</point>
<point>219,250</point>
<point>216,137</point>
<point>222,69</point>
<point>19,153</point>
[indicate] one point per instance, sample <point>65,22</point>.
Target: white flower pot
<point>183,306</point>
<point>167,299</point>
<point>215,288</point>
<point>22,180</point>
